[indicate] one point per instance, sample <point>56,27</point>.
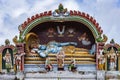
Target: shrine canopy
<point>61,15</point>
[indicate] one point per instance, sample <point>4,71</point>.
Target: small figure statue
<point>83,38</point>
<point>18,57</point>
<point>101,60</point>
<point>7,58</point>
<point>7,42</point>
<point>72,65</point>
<point>71,32</point>
<point>15,40</point>
<point>60,59</point>
<point>48,65</point>
<point>112,60</point>
<point>51,32</point>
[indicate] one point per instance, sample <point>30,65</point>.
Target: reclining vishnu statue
<point>52,47</point>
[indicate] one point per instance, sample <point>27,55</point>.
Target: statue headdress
<point>7,52</point>
<point>112,50</point>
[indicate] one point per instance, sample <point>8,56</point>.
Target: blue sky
<point>15,12</point>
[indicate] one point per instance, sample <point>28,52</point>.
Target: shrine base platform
<point>61,75</point>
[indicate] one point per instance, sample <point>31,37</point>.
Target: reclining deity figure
<point>51,47</point>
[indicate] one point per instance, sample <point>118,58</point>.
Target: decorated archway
<point>75,32</point>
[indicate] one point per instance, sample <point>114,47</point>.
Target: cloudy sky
<point>15,12</point>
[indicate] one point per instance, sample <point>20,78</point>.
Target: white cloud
<point>14,12</point>
<point>107,14</point>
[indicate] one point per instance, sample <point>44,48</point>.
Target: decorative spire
<point>61,11</point>
<point>112,41</point>
<point>7,42</point>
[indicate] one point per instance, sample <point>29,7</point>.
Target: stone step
<point>55,62</point>
<point>54,59</point>
<point>58,79</point>
<point>62,75</point>
<point>54,55</point>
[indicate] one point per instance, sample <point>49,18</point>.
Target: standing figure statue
<point>8,61</point>
<point>18,59</point>
<point>112,60</point>
<point>72,65</point>
<point>48,65</point>
<point>60,60</point>
<point>101,60</point>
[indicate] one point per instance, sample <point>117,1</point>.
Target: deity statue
<point>18,58</point>
<point>72,65</point>
<point>51,32</point>
<point>60,59</point>
<point>48,64</point>
<point>71,32</point>
<point>51,47</point>
<point>112,57</point>
<point>8,61</point>
<point>84,39</point>
<point>101,60</point>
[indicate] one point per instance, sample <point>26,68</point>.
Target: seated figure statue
<point>51,47</point>
<point>48,65</point>
<point>72,65</point>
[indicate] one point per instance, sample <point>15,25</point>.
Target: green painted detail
<point>61,9</point>
<point>60,19</point>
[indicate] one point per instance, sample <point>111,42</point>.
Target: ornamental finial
<point>61,11</point>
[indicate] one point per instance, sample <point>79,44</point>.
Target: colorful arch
<point>76,16</point>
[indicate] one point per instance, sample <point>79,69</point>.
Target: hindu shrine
<point>60,45</point>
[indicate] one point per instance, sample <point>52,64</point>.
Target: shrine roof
<point>57,14</point>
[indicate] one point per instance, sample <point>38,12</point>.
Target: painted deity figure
<point>71,32</point>
<point>84,39</point>
<point>51,32</point>
<point>18,59</point>
<point>48,64</point>
<point>112,60</point>
<point>60,60</point>
<point>51,47</point>
<point>8,61</point>
<point>101,60</point>
<point>72,65</point>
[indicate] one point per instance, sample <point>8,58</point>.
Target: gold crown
<point>112,50</point>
